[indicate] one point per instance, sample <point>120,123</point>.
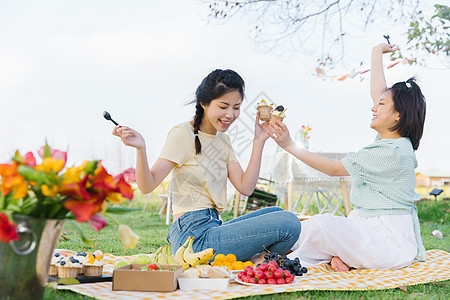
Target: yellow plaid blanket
<point>322,277</point>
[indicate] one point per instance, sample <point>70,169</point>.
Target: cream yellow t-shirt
<point>198,181</point>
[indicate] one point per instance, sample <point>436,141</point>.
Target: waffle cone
<point>273,118</point>
<point>264,112</point>
<point>68,272</point>
<point>93,271</point>
<point>53,271</point>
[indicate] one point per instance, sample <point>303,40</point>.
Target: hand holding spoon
<point>107,116</point>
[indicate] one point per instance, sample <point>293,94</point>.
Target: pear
<point>142,259</point>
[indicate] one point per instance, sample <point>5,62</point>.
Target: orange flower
<point>12,181</point>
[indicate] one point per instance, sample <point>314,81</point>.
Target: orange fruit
<point>216,263</point>
<point>220,257</point>
<point>238,265</point>
<point>231,258</point>
<point>228,265</point>
<point>248,263</point>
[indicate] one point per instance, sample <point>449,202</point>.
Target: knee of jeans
<point>292,224</point>
<point>274,208</point>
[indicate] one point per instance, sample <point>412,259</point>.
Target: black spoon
<point>107,116</point>
<point>387,38</point>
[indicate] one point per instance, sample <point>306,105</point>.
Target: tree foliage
<point>298,25</point>
<point>431,35</point>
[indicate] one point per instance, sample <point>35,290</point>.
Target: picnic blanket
<point>321,277</point>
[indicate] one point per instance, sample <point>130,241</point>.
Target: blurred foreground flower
<point>7,229</point>
<point>45,191</point>
<point>128,238</point>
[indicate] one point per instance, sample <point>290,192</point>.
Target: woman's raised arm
<point>377,79</point>
<point>245,182</point>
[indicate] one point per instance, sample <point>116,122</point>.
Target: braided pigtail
<point>215,85</point>
<point>197,121</point>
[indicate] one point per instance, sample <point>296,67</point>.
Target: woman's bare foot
<point>338,265</point>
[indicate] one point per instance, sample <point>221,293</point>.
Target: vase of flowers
<point>36,199</point>
<point>25,261</point>
<point>302,136</point>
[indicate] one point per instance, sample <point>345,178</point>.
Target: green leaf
<point>68,281</point>
<point>91,167</point>
<point>2,201</point>
<point>52,285</point>
<point>47,151</point>
<point>122,210</point>
<point>83,236</point>
<point>32,175</point>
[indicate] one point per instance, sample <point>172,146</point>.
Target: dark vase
<point>25,263</point>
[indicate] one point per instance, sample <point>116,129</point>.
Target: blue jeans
<point>244,236</point>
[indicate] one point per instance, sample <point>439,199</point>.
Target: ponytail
<point>409,102</point>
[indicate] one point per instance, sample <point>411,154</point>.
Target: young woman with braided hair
<point>201,159</point>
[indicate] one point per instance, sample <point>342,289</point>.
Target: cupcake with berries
<point>94,264</point>
<point>81,257</point>
<point>68,267</point>
<point>53,271</point>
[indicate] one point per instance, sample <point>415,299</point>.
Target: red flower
<point>97,222</point>
<point>7,229</point>
<point>85,209</point>
<point>56,154</point>
<point>88,195</point>
<point>123,187</point>
<point>76,189</point>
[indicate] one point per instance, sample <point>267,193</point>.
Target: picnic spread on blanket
<point>320,277</point>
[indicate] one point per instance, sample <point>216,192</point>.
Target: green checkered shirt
<point>384,181</point>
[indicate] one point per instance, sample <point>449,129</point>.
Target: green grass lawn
<point>152,231</point>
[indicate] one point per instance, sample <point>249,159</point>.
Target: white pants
<point>381,242</point>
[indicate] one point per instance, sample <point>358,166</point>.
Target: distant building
<point>433,178</point>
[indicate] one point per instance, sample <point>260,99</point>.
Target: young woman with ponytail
<point>201,159</point>
<point>383,230</point>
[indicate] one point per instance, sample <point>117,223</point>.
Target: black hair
<point>409,102</point>
<point>215,85</point>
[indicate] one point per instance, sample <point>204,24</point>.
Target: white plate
<point>247,283</point>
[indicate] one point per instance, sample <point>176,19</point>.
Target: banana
<point>180,252</point>
<point>162,257</point>
<point>206,255</point>
<point>186,266</point>
<point>189,255</point>
<point>170,258</point>
<point>196,258</point>
<point>153,257</point>
<point>159,250</point>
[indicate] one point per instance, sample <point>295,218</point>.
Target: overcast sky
<point>62,63</point>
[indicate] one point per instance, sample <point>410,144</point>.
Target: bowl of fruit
<point>275,269</point>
